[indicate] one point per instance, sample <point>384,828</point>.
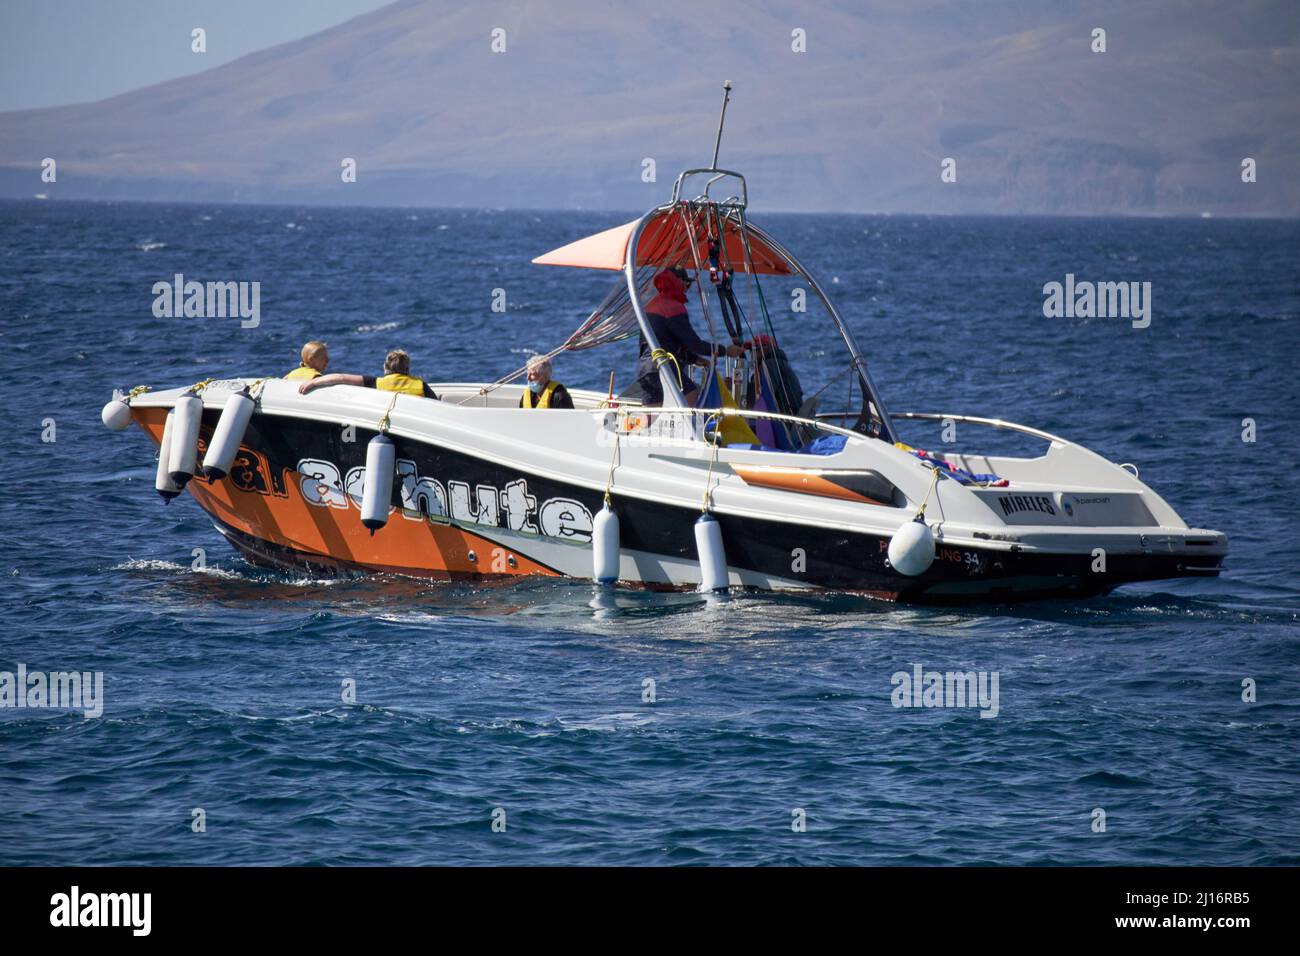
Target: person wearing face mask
<point>666,313</point>
<point>544,391</point>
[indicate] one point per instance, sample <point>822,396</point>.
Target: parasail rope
<point>661,356</point>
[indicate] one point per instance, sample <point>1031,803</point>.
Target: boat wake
<point>565,603</point>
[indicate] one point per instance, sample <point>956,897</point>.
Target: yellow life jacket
<point>401,383</point>
<point>303,372</point>
<point>735,431</point>
<point>545,400</point>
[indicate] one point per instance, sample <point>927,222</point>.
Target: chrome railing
<point>974,420</point>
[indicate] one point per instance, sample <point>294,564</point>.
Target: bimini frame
<point>730,208</point>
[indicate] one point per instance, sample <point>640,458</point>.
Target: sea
<point>248,717</point>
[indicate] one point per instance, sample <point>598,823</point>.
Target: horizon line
<point>630,211</point>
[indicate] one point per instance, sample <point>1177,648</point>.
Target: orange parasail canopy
<point>665,242</point>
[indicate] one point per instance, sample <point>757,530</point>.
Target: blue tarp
<point>826,445</point>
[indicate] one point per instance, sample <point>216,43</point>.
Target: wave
<point>153,564</point>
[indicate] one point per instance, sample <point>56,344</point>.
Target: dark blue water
<point>222,686</point>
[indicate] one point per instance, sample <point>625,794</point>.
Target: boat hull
<point>291,501</point>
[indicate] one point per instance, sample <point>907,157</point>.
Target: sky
<point>57,52</point>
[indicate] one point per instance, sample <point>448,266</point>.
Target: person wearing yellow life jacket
<point>543,391</point>
<point>397,377</point>
<point>315,359</point>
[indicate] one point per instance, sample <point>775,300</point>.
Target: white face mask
<point>535,387</point>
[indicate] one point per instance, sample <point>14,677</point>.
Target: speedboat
<point>777,468</point>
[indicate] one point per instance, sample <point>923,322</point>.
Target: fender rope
<point>934,480</point>
<point>713,456</point>
<point>383,422</point>
<point>609,482</point>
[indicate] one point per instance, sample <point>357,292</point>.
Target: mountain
<point>584,92</point>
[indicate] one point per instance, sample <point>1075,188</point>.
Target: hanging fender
<point>228,434</point>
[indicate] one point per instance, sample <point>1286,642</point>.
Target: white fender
<point>911,549</point>
<point>605,546</point>
<point>185,438</point>
<point>162,482</point>
<point>116,414</point>
<point>713,556</point>
<point>377,489</point>
<point>228,434</point>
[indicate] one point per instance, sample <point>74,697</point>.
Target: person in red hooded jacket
<point>666,313</point>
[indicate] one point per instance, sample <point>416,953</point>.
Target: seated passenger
<point>543,391</point>
<point>315,359</point>
<point>666,313</point>
<point>774,376</point>
<point>398,378</point>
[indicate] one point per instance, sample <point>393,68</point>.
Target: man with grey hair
<point>543,391</point>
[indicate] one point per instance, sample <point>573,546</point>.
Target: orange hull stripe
<point>414,546</point>
<point>798,481</point>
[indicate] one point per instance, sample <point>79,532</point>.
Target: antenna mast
<point>717,144</point>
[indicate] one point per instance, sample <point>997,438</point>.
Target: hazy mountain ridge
<point>1037,122</point>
